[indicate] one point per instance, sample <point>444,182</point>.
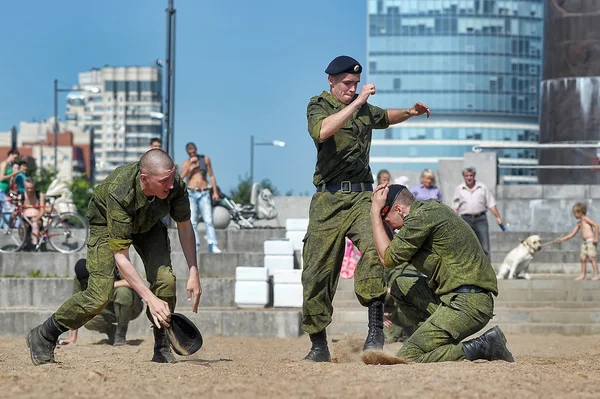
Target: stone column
<point>570,89</point>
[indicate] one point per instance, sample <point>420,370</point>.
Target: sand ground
<point>546,366</point>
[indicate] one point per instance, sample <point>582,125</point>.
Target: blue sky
<point>243,67</point>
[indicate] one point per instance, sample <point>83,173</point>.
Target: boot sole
<point>163,359</point>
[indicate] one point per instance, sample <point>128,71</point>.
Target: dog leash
<point>503,228</point>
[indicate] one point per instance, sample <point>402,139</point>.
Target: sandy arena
<point>547,366</point>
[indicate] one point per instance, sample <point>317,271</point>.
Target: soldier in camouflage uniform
<point>340,122</point>
<point>125,305</point>
<point>455,301</point>
<point>126,209</point>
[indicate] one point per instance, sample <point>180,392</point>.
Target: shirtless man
<point>201,194</point>
<point>589,233</point>
<point>33,209</point>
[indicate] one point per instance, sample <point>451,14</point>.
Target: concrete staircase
<point>26,302</point>
<point>545,305</point>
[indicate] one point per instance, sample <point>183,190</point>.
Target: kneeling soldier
<point>125,305</point>
<point>455,300</point>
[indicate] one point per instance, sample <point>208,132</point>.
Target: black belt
<point>472,215</point>
<point>470,289</point>
<point>345,187</point>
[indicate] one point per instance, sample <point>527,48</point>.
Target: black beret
<point>343,64</point>
<point>184,336</point>
<point>81,270</point>
<point>393,191</point>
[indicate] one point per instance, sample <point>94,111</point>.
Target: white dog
<point>517,261</point>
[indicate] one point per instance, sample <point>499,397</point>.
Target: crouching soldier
<point>125,305</point>
<point>455,300</point>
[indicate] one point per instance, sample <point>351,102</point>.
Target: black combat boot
<point>120,334</point>
<point>319,352</point>
<point>42,340</point>
<point>489,346</point>
<point>110,332</point>
<point>375,338</point>
<point>162,347</point>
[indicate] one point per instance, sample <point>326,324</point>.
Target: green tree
<point>43,177</point>
<point>241,194</point>
<point>266,183</point>
<point>82,193</point>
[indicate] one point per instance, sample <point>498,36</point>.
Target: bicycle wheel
<point>13,233</point>
<point>67,233</point>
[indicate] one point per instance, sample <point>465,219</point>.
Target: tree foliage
<point>82,193</point>
<point>243,191</point>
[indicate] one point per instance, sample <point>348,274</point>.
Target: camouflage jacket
<point>345,155</point>
<point>442,246</point>
<point>120,205</point>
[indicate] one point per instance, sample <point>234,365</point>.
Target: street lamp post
<point>274,143</point>
<point>169,111</point>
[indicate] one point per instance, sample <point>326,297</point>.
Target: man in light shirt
<point>471,201</point>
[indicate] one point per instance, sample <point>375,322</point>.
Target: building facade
<point>475,63</point>
<point>35,142</point>
<point>120,106</point>
<point>571,91</point>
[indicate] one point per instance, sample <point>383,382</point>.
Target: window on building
<point>397,84</point>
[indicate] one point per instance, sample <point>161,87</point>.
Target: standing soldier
<point>341,122</point>
<point>126,209</point>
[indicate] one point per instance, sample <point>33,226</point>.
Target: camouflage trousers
<point>444,321</point>
<point>401,327</point>
<point>332,217</point>
<point>125,305</point>
<point>154,249</point>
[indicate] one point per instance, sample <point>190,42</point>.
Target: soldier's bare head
<point>157,173</point>
<point>398,206</point>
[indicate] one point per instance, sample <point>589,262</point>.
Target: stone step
<point>280,323</point>
<point>543,289</point>
<point>505,241</point>
<point>571,329</point>
<point>52,292</point>
<point>543,256</point>
<point>61,265</point>
<point>561,321</point>
<point>244,240</point>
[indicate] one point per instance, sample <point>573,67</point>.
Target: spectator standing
<point>471,201</point>
<point>426,189</point>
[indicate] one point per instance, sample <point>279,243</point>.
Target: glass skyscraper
<point>475,63</point>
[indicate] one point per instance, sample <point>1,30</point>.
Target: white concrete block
<point>279,262</point>
<point>278,247</point>
<point>296,224</point>
<point>251,294</point>
<point>247,273</point>
<point>296,238</point>
<point>287,295</point>
<point>287,277</point>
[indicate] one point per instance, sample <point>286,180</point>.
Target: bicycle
<point>65,232</point>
